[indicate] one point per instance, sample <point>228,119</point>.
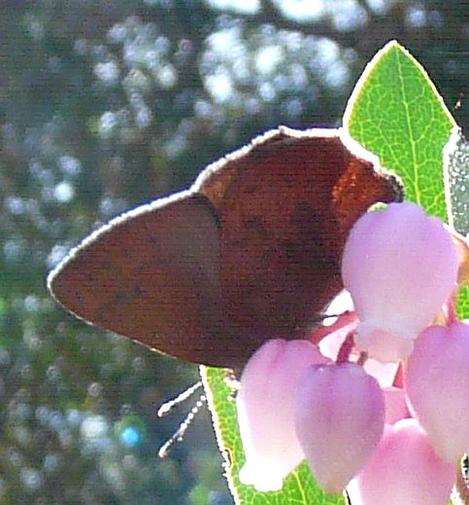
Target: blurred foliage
<point>104,105</point>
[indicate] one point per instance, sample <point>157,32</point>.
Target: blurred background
<point>107,104</point>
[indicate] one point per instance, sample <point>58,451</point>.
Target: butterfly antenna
<point>168,406</point>
<point>178,436</point>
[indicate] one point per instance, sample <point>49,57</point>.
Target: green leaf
<point>463,303</point>
<point>396,112</point>
<point>299,488</point>
<point>456,166</point>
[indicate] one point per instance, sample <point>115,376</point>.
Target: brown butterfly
<point>252,251</point>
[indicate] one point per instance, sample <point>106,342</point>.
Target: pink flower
<point>437,385</point>
<point>400,267</point>
<point>339,421</point>
<point>404,470</point>
<point>265,404</point>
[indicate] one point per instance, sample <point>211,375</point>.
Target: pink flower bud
<point>400,267</point>
<point>437,385</point>
<point>339,421</point>
<point>404,470</point>
<point>265,404</point>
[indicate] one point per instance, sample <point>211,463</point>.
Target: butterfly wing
<point>250,253</point>
<point>287,205</point>
<point>152,275</point>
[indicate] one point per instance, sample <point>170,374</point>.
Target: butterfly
<point>251,251</point>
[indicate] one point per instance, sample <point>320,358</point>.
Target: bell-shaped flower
<point>404,470</point>
<point>400,267</point>
<point>265,405</point>
<point>339,421</point>
<point>437,385</point>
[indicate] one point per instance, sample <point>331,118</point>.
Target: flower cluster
<point>378,403</point>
